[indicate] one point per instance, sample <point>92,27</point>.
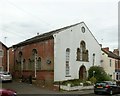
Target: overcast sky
<point>23,19</point>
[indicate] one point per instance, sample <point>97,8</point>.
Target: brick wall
<point>4,59</point>
<point>45,50</point>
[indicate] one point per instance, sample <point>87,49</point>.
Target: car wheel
<point>111,92</point>
<point>10,80</point>
<point>96,92</point>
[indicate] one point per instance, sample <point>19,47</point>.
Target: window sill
<point>81,61</point>
<point>68,76</point>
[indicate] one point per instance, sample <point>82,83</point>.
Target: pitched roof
<point>49,35</point>
<point>44,36</point>
<point>111,54</point>
<point>3,45</point>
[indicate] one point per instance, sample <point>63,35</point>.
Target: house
<point>3,57</point>
<point>117,65</point>
<point>62,54</point>
<point>110,62</point>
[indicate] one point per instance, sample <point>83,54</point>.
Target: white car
<point>5,76</point>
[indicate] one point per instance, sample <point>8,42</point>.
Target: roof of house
<point>44,36</point>
<point>111,54</point>
<point>3,45</point>
<point>48,35</point>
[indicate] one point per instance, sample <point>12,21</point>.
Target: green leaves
<point>98,73</point>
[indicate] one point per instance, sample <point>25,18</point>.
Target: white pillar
<point>35,64</point>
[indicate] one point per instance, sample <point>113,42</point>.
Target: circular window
<point>83,29</point>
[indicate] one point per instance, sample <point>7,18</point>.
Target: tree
<point>98,73</point>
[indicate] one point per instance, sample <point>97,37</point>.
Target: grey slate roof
<point>44,36</point>
<point>111,54</point>
<point>3,45</point>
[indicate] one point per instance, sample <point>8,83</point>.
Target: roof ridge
<point>48,34</point>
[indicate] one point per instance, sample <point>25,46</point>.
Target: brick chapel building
<point>62,54</point>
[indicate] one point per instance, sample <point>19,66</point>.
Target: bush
<point>76,82</point>
<point>118,83</point>
<point>93,80</point>
<point>98,73</point>
<point>73,82</point>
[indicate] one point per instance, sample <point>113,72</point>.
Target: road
<point>33,90</point>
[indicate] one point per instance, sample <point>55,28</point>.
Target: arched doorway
<point>82,73</point>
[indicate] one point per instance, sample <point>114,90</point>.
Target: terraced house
<point>3,57</point>
<point>111,63</point>
<point>62,54</point>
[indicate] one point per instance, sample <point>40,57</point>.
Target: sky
<point>23,19</point>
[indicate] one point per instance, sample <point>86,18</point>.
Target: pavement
<point>25,88</point>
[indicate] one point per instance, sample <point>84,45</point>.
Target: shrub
<point>73,82</point>
<point>98,73</point>
<point>93,80</point>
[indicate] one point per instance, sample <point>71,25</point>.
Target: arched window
<point>38,65</point>
<point>34,51</point>
<point>67,62</point>
<point>30,64</point>
<point>78,54</point>
<point>33,60</point>
<point>19,62</point>
<point>82,53</point>
<point>24,65</point>
<point>67,54</point>
<point>82,46</point>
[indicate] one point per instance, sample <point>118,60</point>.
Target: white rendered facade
<point>71,38</point>
<point>109,65</point>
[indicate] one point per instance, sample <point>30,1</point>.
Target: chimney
<point>116,51</point>
<point>106,49</point>
<point>100,45</point>
<point>37,34</point>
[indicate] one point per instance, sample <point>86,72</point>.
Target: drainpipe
<point>118,69</point>
<point>93,59</point>
<point>1,57</point>
<point>8,65</point>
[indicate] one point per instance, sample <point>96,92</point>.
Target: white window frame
<point>67,63</point>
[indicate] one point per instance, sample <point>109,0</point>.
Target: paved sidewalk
<point>24,88</point>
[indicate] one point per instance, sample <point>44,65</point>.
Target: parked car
<point>5,76</point>
<point>106,87</point>
<point>7,92</point>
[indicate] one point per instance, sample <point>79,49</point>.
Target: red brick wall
<point>45,50</point>
<point>11,60</point>
<point>116,51</point>
<point>4,59</point>
<point>106,49</point>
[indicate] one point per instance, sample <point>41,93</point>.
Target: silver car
<point>5,76</point>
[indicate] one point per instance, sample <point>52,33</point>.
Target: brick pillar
<point>1,56</point>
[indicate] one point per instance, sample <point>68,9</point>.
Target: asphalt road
<point>24,89</point>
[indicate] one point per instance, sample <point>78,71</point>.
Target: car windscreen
<point>102,83</point>
<point>105,83</point>
<point>6,73</point>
